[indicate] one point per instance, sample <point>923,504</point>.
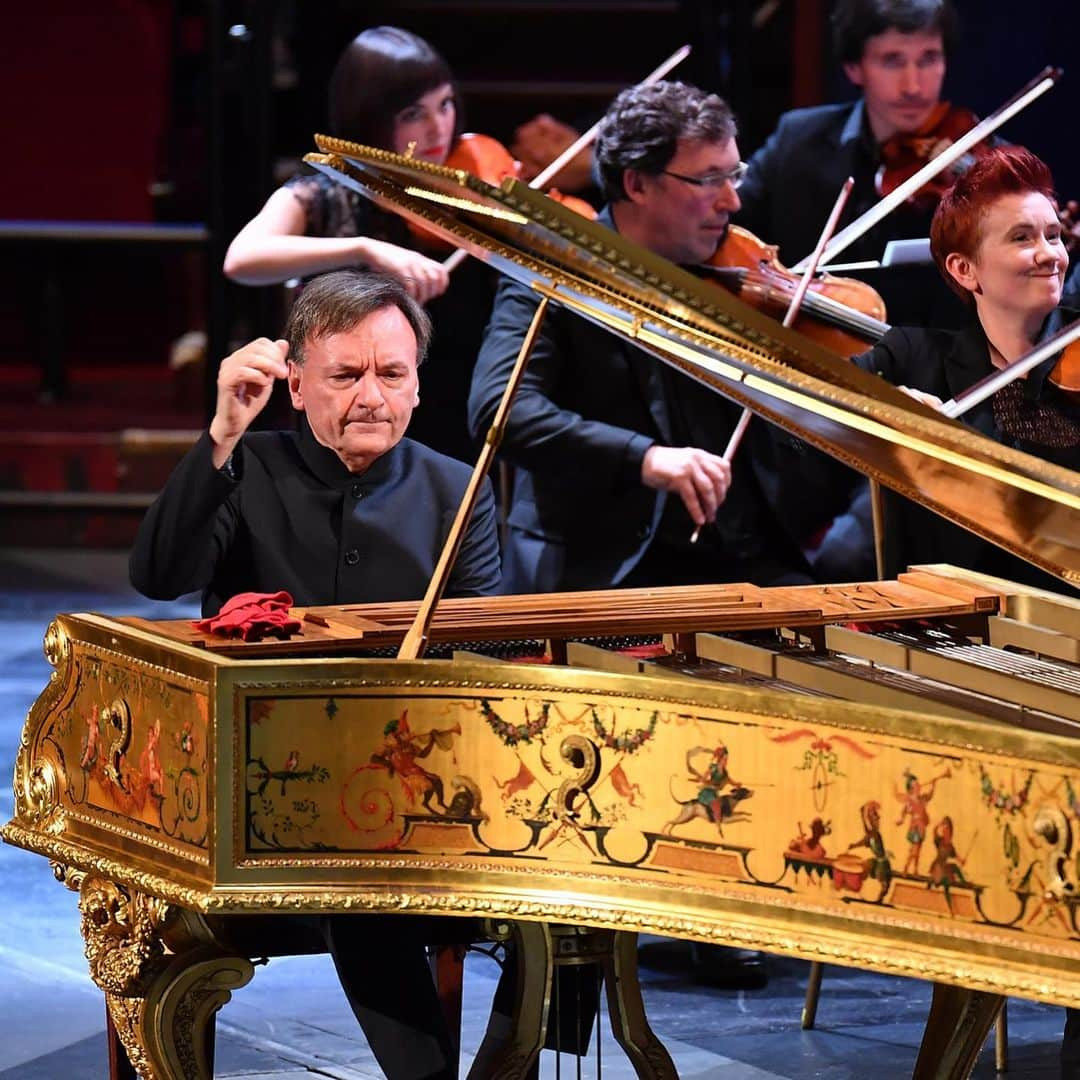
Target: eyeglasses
<point>714,181</point>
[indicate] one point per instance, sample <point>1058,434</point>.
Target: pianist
<point>344,510</point>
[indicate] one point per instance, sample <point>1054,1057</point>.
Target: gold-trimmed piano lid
<point>1013,499</point>
<point>860,835</point>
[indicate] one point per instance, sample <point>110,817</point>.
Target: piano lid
<point>1013,499</point>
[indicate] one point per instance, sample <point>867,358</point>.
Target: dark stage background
<point>192,111</point>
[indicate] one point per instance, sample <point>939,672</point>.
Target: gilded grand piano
<point>882,775</point>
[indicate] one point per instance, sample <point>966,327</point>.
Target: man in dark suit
<point>618,458</point>
<point>345,510</point>
<point>895,52</point>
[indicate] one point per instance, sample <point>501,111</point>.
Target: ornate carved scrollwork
<point>121,931</point>
<point>68,875</point>
<point>583,755</point>
<point>161,1002</point>
<point>57,645</point>
<point>42,794</point>
<point>127,1015</point>
<point>180,1006</point>
<point>117,716</point>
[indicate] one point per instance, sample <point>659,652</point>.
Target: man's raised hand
<point>244,384</point>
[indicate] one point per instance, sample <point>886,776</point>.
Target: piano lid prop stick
<point>848,235</point>
<point>791,315</point>
<point>415,642</point>
<point>579,144</point>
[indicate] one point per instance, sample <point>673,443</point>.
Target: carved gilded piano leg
<point>629,1024</point>
<point>955,1032</point>
<point>517,1057</point>
<point>179,1010</point>
<point>161,1004</point>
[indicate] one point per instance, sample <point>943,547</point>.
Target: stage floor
<point>292,1019</point>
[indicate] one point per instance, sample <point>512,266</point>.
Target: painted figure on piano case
<point>390,794</point>
<point>401,752</point>
<point>807,853</point>
<point>915,799</point>
<point>946,870</point>
<point>876,867</point>
<point>713,802</point>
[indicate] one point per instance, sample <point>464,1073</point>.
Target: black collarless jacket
<point>293,517</point>
<point>946,363</point>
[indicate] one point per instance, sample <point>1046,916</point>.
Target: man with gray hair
<point>618,459</point>
<point>344,510</point>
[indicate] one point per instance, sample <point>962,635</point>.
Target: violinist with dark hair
<point>618,458</point>
<point>389,89</point>
<point>895,52</point>
<point>392,90</point>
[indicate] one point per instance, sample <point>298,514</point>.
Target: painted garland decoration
<point>629,742</point>
<point>999,798</point>
<point>512,734</point>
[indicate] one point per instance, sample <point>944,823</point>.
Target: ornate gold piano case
<point>717,783</point>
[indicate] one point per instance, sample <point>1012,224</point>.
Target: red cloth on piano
<point>252,616</point>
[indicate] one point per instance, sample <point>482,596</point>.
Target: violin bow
<point>993,382</point>
<point>583,140</point>
<point>791,315</point>
<point>1024,97</point>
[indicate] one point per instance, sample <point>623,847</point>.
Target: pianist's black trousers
<point>1070,1046</point>
<point>383,968</point>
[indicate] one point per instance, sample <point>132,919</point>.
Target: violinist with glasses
<point>617,458</point>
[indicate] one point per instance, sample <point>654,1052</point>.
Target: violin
<point>488,160</point>
<point>905,153</point>
<point>842,314</point>
<point>1065,374</point>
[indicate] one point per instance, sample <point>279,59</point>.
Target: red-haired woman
<point>997,240</point>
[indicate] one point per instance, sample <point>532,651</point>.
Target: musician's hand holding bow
<point>699,478</point>
<point>423,278</point>
<point>244,384</point>
<point>920,395</point>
